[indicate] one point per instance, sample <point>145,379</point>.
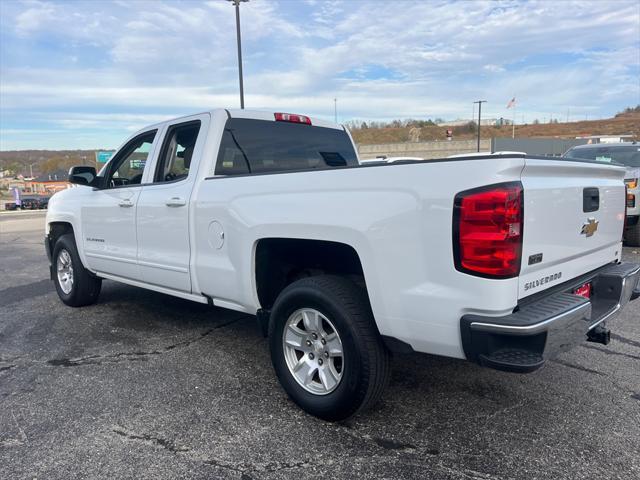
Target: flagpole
<point>513,124</point>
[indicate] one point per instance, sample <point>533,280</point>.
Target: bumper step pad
<point>520,342</point>
<point>512,360</point>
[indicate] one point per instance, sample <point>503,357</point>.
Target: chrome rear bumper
<point>538,331</point>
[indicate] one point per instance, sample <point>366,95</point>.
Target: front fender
<point>64,207</point>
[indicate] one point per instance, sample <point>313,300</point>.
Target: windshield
<point>627,155</point>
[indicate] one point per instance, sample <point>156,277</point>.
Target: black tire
<point>85,286</point>
<point>366,367</point>
<point>632,235</point>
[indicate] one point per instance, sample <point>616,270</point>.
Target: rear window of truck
<point>259,146</point>
<point>625,155</point>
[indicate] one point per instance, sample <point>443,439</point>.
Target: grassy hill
<point>44,161</point>
<point>625,123</point>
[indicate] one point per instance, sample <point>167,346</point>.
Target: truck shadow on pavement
<point>419,378</point>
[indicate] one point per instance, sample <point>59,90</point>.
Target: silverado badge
<point>590,227</point>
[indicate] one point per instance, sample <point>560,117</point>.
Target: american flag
<point>512,103</point>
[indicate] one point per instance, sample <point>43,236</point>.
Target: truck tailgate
<point>573,220</point>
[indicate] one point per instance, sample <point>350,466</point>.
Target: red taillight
<point>626,208</point>
<point>293,118</point>
<point>487,230</point>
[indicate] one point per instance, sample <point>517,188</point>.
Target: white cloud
<point>380,59</point>
<point>490,67</point>
<point>34,18</point>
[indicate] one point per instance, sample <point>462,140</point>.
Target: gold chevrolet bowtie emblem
<point>590,227</point>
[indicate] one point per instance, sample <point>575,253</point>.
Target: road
<point>143,385</point>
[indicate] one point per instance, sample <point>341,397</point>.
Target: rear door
<point>163,233</point>
<point>573,220</point>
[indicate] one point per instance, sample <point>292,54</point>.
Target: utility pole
<point>479,102</point>
<point>335,110</point>
<point>237,5</point>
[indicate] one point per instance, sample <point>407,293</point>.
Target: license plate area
<point>583,290</point>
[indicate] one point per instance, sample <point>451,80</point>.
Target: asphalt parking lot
<point>143,385</point>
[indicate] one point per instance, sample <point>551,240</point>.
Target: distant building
<point>484,122</point>
<point>9,182</point>
<point>48,183</point>
<point>454,123</point>
<point>606,138</point>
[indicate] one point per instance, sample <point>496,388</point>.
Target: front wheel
<point>326,349</point>
<point>76,286</point>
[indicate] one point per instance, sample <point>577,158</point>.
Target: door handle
<point>126,203</point>
<point>176,202</point>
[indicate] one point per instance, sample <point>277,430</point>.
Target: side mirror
<point>82,175</point>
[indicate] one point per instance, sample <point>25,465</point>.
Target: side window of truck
<point>175,157</point>
<point>127,167</point>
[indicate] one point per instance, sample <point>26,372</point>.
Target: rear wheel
<point>325,347</point>
<point>632,235</point>
<point>76,286</point>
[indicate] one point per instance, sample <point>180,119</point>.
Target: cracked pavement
<point>143,385</point>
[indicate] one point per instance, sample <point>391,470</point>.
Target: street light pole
<point>237,5</point>
<point>479,102</point>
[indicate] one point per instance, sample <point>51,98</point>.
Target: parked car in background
<point>29,203</point>
<point>505,260</point>
<point>627,154</point>
<point>43,203</point>
<point>34,203</point>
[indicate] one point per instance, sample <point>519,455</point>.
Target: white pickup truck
<point>627,154</point>
<point>503,260</point>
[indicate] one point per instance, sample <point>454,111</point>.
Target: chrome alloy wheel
<point>64,267</point>
<point>313,351</point>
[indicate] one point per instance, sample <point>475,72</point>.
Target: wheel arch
<point>279,261</point>
<point>58,228</point>
<point>61,225</point>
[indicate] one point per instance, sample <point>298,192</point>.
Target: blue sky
<point>86,74</point>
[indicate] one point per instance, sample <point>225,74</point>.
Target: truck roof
<point>605,145</point>
<point>269,115</point>
<point>255,115</point>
